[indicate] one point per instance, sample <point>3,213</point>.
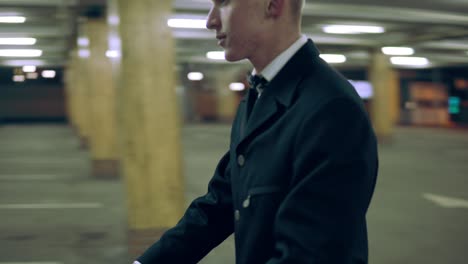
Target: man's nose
<point>212,21</point>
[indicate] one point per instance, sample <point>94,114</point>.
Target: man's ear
<point>275,7</point>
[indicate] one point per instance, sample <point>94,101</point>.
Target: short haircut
<point>296,7</point>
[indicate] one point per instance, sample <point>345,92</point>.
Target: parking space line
<point>445,201</point>
<point>52,206</point>
<point>34,262</point>
<point>31,177</point>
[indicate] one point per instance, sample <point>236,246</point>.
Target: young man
<point>298,178</point>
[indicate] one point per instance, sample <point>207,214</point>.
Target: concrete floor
<point>43,165</point>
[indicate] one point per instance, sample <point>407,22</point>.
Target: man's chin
<point>232,57</point>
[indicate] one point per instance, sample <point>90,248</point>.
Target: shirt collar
<point>278,63</point>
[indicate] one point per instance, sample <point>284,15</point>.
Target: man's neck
<point>272,49</point>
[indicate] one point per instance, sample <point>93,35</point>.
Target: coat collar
<point>283,86</point>
<point>279,93</point>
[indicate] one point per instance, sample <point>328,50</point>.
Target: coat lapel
<point>278,94</point>
<point>268,108</point>
<point>265,108</point>
<point>243,117</point>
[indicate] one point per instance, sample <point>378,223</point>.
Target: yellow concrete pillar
<point>74,78</point>
<point>395,97</point>
<point>81,83</point>
<point>150,123</point>
<point>105,163</point>
<point>227,104</point>
<point>70,91</point>
<point>385,103</point>
<point>227,99</point>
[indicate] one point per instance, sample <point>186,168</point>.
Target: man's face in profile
<point>238,25</point>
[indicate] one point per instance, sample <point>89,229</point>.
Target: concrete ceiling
<point>436,29</point>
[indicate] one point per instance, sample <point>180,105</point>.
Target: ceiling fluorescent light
<point>333,58</point>
<point>17,41</point>
<point>83,42</point>
<point>352,29</point>
<point>84,53</point>
<point>18,78</point>
<point>22,62</point>
<point>49,74</point>
<point>20,53</point>
<point>236,86</point>
<point>12,19</point>
<point>409,61</point>
<point>398,51</point>
<point>112,54</point>
<point>113,20</point>
<point>186,23</point>
<point>216,55</point>
<point>195,76</point>
<point>29,68</point>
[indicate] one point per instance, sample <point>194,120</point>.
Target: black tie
<point>256,82</point>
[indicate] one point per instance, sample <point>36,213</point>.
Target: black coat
<point>296,183</point>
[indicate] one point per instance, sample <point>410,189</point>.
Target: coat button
<point>246,202</point>
<point>241,160</point>
<point>237,215</point>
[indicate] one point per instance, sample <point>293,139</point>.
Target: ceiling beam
<point>38,2</point>
<point>352,11</point>
<point>64,30</point>
<point>379,13</point>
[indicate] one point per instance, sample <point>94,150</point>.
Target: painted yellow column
<point>385,103</point>
<point>104,155</point>
<point>227,103</point>
<point>150,137</point>
<point>81,80</point>
<point>70,91</point>
<point>395,97</point>
<point>227,99</point>
<point>76,92</point>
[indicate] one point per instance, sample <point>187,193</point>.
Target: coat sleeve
<point>335,164</point>
<point>206,223</point>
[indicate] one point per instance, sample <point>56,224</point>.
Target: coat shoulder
<point>323,85</point>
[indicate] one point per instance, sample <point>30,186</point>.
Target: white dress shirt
<point>278,63</point>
